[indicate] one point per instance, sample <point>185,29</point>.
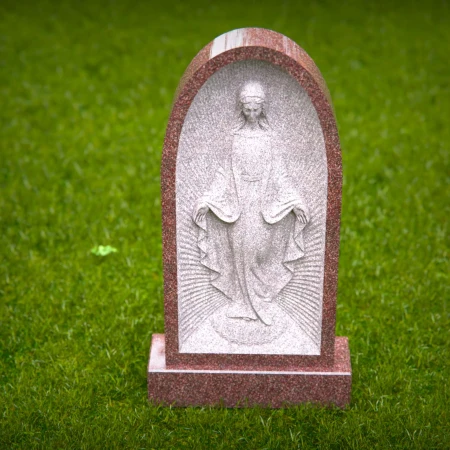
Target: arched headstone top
<point>254,39</point>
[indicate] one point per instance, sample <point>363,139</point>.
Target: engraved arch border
<point>201,69</point>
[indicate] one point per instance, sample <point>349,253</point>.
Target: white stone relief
<point>251,205</point>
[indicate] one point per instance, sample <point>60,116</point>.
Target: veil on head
<point>252,92</point>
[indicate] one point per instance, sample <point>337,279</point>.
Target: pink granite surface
<point>240,388</point>
<point>265,45</point>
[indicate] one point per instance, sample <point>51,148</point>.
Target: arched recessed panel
<point>251,204</point>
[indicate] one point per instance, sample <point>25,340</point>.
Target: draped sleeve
<point>212,241</point>
<point>280,199</point>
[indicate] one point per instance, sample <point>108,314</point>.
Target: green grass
<point>86,90</point>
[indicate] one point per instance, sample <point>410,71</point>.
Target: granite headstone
<point>251,196</point>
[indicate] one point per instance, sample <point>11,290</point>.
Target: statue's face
<point>252,111</point>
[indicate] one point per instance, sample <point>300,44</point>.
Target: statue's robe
<point>253,238</point>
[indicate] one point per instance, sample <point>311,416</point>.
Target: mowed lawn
<point>86,91</point>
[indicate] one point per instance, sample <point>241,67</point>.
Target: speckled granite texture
<point>184,370</point>
<point>250,387</point>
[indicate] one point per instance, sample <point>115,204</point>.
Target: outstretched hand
<point>301,214</point>
<point>200,212</point>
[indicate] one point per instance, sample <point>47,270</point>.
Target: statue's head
<point>251,99</point>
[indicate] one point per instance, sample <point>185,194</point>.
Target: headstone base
<point>241,388</point>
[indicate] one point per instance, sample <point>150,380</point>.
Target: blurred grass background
<point>86,90</point>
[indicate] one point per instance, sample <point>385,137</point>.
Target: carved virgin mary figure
<point>251,220</point>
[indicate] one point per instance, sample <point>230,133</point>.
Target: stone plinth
<point>250,387</point>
